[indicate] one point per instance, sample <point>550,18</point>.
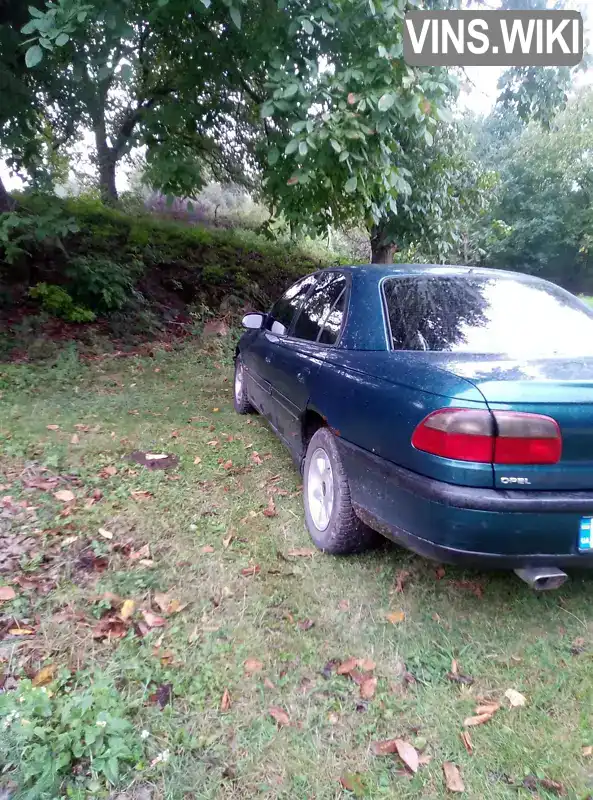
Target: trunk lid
<point>560,388</point>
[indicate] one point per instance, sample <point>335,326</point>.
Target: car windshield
<point>478,314</point>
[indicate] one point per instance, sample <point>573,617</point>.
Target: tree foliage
<point>313,95</point>
<point>542,220</point>
<point>308,100</point>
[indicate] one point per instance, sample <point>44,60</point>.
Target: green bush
<point>109,261</point>
<point>70,736</point>
<point>58,303</point>
<point>102,283</point>
<point>20,234</point>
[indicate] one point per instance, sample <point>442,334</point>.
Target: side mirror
<point>253,321</point>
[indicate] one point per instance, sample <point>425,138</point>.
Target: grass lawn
<point>221,678</point>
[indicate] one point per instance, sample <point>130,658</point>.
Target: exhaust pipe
<point>542,578</point>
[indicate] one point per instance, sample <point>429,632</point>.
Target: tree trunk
<point>107,181</point>
<point>6,201</point>
<point>382,250</point>
<point>106,161</point>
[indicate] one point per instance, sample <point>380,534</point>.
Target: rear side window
<point>333,324</point>
<point>483,314</point>
<point>284,310</point>
<point>318,306</point>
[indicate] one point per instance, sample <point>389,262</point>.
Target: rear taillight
<point>500,437</point>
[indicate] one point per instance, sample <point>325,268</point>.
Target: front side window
<point>318,306</point>
<point>284,310</point>
<point>483,314</point>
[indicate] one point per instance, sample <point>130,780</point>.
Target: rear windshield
<point>477,314</point>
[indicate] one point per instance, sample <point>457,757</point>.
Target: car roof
<point>379,271</point>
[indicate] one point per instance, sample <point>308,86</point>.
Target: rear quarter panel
<point>375,400</point>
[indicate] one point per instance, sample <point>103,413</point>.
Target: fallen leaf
<point>279,715</point>
<point>45,675</point>
<point>110,628</point>
<point>302,552</point>
<point>227,540</point>
<point>473,586</point>
<point>162,696</point>
<point>127,609</point>
<point>207,548</point>
<point>532,783</point>
<point>45,484</point>
<point>467,742</point>
<point>105,533</point>
<point>65,496</point>
<point>194,635</point>
<point>329,668</point>
<point>385,747</point>
<point>225,703</point>
<point>367,688</point>
<point>252,665</point>
<point>6,593</point>
<point>213,443</point>
<point>75,439</point>
<point>146,562</point>
<point>587,751</point>
<point>249,571</point>
<point>268,684</point>
<point>457,677</point>
<point>92,563</point>
<point>366,664</point>
<point>270,511</point>
<point>400,580</point>
<point>21,631</point>
<point>358,677</point>
<point>479,719</point>
<point>108,472</point>
<point>197,460</point>
<point>487,707</point>
<point>144,552</point>
<point>424,759</point>
<point>453,778</point>
<point>354,782</point>
<point>346,667</point>
<point>395,617</point>
<point>439,573</point>
<point>305,624</point>
<point>515,698</point>
<point>155,456</point>
<point>53,427</point>
<point>141,495</point>
<point>168,604</point>
<point>256,458</point>
<point>344,605</point>
<point>167,658</point>
<point>408,754</point>
<point>153,620</point>
<point>578,646</point>
<point>81,427</point>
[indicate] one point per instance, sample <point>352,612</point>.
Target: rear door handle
<point>268,359</point>
<point>301,376</point>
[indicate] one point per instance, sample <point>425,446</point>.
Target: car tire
<point>240,398</point>
<point>330,519</point>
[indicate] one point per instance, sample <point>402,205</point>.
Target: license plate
<point>586,535</point>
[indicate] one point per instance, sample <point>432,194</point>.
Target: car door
<point>257,357</point>
<point>296,358</point>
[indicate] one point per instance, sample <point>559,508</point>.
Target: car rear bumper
<point>467,525</point>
